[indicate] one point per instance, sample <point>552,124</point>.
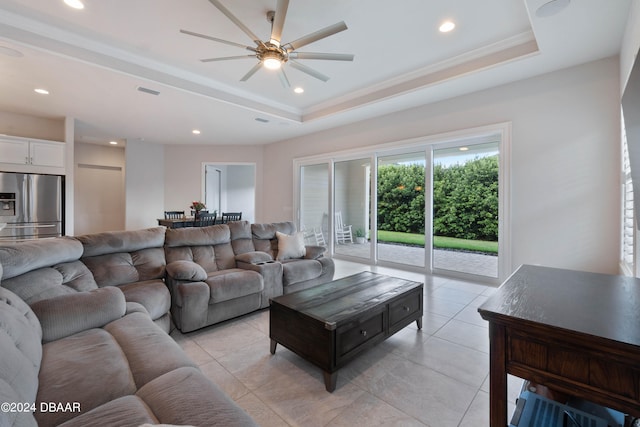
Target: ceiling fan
<point>273,54</point>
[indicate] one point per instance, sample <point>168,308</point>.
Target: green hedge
<point>465,199</point>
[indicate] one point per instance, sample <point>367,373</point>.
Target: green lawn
<point>438,241</point>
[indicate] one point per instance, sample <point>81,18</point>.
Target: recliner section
<point>217,273</point>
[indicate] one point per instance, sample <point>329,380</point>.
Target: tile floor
<point>434,377</point>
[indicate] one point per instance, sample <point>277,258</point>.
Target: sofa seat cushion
<point>149,351</point>
<point>125,411</point>
<point>171,398</point>
<point>89,368</point>
<point>151,294</point>
<point>299,270</point>
<point>233,283</point>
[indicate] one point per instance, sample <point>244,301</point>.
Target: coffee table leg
<point>419,322</point>
<point>330,380</point>
<point>274,343</point>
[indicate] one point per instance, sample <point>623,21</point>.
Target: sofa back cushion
<point>210,247</point>
<point>264,236</point>
<point>122,257</point>
<point>241,237</point>
<point>20,341</point>
<point>46,268</point>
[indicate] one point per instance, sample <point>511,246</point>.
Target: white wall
<point>32,127</point>
<point>240,190</point>
<point>630,43</point>
<point>183,166</point>
<point>99,188</point>
<point>145,182</point>
<point>565,199</point>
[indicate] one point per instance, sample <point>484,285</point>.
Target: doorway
<point>230,187</point>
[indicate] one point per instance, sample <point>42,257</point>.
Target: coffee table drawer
<point>354,335</point>
<point>405,307</point>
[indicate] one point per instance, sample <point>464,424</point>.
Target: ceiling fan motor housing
<point>271,51</point>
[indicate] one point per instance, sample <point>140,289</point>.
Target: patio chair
<point>343,232</point>
<point>317,233</point>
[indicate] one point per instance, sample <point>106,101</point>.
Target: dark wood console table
<point>572,331</point>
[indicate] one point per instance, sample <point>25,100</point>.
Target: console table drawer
<point>403,308</point>
<point>357,333</point>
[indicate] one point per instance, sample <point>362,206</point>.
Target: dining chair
<point>206,219</point>
<point>231,216</point>
<point>173,214</point>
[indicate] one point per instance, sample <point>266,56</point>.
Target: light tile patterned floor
<point>434,377</point>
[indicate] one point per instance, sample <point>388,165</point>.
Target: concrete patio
<point>465,262</point>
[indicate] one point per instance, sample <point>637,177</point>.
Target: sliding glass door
<point>437,206</point>
<point>352,201</point>
<point>314,203</point>
<point>466,208</point>
<point>401,208</point>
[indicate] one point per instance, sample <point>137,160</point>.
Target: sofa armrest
<point>186,270</point>
<point>136,307</point>
<point>69,314</point>
<point>256,257</point>
<point>271,272</point>
<point>315,252</point>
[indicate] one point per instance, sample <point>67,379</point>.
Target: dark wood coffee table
<point>330,324</point>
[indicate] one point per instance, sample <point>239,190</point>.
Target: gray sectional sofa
<point>84,320</point>
<point>80,360</point>
<point>223,271</point>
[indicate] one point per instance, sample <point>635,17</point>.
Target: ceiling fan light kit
<point>273,54</point>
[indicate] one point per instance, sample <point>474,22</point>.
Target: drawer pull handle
<point>405,308</point>
<point>364,333</point>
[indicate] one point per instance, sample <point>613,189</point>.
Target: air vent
<point>147,90</point>
<point>261,120</point>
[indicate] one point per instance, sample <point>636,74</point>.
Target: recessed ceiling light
<point>76,4</point>
<point>551,8</point>
<point>113,142</point>
<point>195,132</point>
<point>298,90</point>
<point>463,148</point>
<point>447,26</point>
<point>41,91</point>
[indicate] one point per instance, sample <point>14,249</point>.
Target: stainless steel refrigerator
<point>31,206</point>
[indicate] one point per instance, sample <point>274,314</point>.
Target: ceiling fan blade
<point>308,70</point>
<point>215,39</point>
<point>283,78</point>
<point>278,20</point>
<point>251,72</point>
<point>236,21</point>
<point>225,58</point>
<point>313,37</point>
<point>316,55</point>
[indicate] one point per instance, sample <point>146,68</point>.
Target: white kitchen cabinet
<point>21,151</point>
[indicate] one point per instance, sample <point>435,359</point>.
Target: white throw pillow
<point>290,246</point>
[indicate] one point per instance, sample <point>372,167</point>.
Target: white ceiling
<point>92,61</point>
